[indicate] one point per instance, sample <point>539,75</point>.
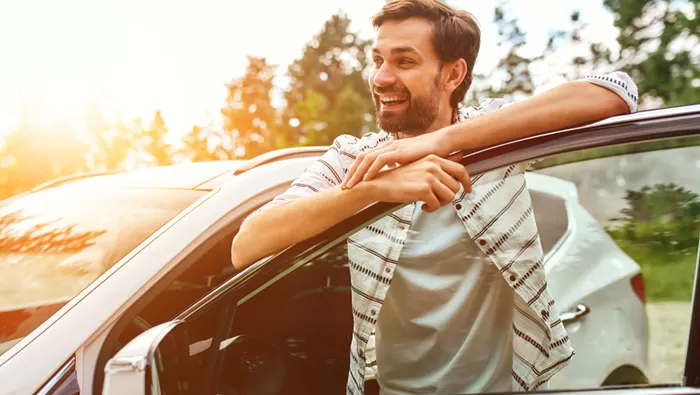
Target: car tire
<point>625,376</point>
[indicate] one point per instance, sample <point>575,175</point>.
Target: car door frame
<point>635,128</point>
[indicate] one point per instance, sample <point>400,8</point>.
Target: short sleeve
<point>325,173</point>
<point>620,83</point>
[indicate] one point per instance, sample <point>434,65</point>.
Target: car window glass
<point>551,216</point>
<point>211,269</point>
<point>636,216</point>
<point>54,243</point>
<point>304,322</point>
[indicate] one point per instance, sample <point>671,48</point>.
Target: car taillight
<point>638,287</point>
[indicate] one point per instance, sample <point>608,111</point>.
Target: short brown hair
<point>456,33</point>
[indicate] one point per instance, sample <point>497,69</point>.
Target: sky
<point>176,56</point>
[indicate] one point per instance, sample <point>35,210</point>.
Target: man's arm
<point>568,105</point>
<point>432,180</point>
<point>286,224</point>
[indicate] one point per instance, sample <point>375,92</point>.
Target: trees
<point>327,93</point>
<point>249,117</point>
<point>659,41</point>
<point>152,142</point>
<point>33,154</point>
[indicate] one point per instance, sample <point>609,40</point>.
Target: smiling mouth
<point>392,101</point>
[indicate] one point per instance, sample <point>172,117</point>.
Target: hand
<point>401,152</point>
<point>432,180</point>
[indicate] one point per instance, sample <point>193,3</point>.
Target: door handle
<point>572,316</point>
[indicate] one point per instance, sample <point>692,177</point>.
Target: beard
<point>420,113</point>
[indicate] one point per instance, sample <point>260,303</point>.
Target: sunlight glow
<point>136,57</point>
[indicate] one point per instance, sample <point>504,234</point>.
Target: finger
<point>352,170</point>
<point>361,169</point>
<point>458,172</point>
<point>383,159</point>
<point>444,193</point>
<point>430,201</point>
<point>449,181</point>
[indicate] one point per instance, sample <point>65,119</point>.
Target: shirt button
<point>482,242</point>
<point>373,312</point>
<point>513,277</point>
<point>388,270</point>
<point>458,206</point>
<point>545,314</point>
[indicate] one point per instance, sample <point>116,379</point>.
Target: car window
<point>636,217</point>
<point>551,217</point>
<point>209,270</point>
<point>306,318</point>
<point>55,242</point>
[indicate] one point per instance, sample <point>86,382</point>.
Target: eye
<point>377,61</point>
<point>406,62</point>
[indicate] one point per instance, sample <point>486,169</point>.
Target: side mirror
<point>148,364</point>
<point>162,360</point>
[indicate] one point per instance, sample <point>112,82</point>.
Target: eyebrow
<point>398,50</point>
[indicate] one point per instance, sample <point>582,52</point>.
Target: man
<point>479,318</point>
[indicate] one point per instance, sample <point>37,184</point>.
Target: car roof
<point>180,176</point>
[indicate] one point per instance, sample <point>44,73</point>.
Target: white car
<point>127,252</point>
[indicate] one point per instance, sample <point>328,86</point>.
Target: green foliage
<point>665,217</point>
<point>249,117</point>
<point>659,229</point>
<point>327,93</point>
<point>658,47</point>
<point>513,69</point>
<point>668,275</point>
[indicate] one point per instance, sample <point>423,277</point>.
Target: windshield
<point>54,243</point>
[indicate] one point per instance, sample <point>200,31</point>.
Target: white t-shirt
<point>445,326</point>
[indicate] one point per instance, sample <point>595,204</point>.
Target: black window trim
<point>668,125</point>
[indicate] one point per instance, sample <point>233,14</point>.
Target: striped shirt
<point>498,216</point>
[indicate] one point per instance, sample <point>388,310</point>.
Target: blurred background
<point>112,85</point>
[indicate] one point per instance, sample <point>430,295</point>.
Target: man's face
<point>405,80</point>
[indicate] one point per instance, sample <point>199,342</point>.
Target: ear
<point>456,72</point>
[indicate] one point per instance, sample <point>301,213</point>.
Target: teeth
<point>391,99</point>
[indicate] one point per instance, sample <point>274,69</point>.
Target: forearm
<point>282,226</point>
<point>565,106</point>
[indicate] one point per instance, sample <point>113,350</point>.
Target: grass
<point>668,275</point>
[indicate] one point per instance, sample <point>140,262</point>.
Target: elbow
<point>618,105</point>
<point>238,258</point>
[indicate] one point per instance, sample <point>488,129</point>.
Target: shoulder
<point>353,145</point>
<point>485,106</point>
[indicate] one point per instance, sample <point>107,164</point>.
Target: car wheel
<point>624,376</point>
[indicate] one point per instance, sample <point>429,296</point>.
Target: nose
<point>384,76</point>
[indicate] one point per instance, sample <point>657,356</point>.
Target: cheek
<point>414,81</point>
